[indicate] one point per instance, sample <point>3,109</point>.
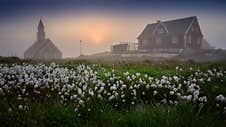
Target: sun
<point>98,35</point>
<point>96,32</point>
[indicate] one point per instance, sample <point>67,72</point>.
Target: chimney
<point>158,21</point>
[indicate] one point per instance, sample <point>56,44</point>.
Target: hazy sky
<point>100,23</point>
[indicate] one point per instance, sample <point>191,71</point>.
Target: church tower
<point>41,32</point>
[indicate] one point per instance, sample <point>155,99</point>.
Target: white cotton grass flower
<point>79,90</point>
<point>220,98</point>
<point>111,97</point>
<point>172,93</point>
<point>189,97</point>
<point>81,102</point>
<point>203,99</point>
<point>10,109</point>
<point>20,107</point>
<point>155,92</point>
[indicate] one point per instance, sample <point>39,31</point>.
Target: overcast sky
<point>100,23</point>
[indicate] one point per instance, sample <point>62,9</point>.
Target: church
<point>43,48</point>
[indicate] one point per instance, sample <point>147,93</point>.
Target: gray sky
<point>99,23</point>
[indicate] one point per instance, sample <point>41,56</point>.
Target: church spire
<point>41,32</point>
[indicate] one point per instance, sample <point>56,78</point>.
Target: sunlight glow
<point>96,32</point>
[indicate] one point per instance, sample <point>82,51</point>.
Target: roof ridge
<point>174,19</point>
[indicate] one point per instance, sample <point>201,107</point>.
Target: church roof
<point>39,49</point>
<point>41,23</point>
<point>174,27</point>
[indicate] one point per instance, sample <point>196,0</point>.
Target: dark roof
<point>174,27</point>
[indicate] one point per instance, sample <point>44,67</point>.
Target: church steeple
<point>41,32</point>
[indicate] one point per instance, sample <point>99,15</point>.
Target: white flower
<point>220,98</point>
<point>209,79</point>
<point>79,91</point>
<point>124,86</point>
<point>113,87</point>
<point>10,109</point>
<point>73,97</point>
<point>155,92</point>
<point>111,97</point>
<point>20,107</point>
<point>36,86</point>
<point>176,78</point>
<point>203,99</point>
<point>137,74</point>
<point>147,86</point>
<point>189,97</point>
<point>81,102</point>
<point>91,93</point>
<point>171,92</point>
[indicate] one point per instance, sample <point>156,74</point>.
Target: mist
<point>98,28</point>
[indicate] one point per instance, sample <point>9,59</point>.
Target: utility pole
<point>80,47</point>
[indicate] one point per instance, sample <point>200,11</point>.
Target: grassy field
<point>79,93</point>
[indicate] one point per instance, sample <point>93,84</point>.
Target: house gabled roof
<point>174,27</point>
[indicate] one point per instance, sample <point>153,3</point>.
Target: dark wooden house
<point>171,36</point>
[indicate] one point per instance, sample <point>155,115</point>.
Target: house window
<point>174,39</point>
<point>160,30</point>
<point>189,39</point>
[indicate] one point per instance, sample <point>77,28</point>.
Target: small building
<point>171,36</point>
<point>124,47</point>
<point>120,48</point>
<point>43,48</point>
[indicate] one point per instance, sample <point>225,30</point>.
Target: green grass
<point>185,114</point>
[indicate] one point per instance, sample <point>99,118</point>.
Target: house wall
<point>194,36</point>
<point>162,40</point>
